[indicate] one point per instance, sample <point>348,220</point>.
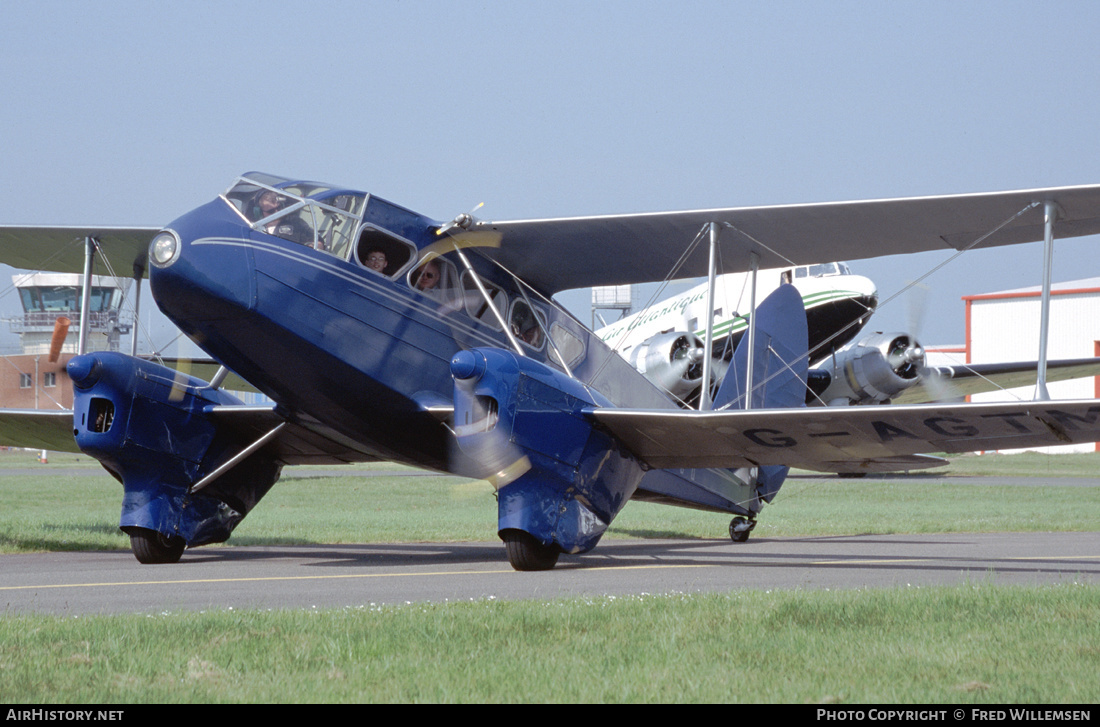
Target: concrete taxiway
<point>352,576</point>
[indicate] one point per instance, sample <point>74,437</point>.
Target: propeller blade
<point>476,238</point>
<point>57,340</point>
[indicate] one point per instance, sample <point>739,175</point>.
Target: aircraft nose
<point>206,279</point>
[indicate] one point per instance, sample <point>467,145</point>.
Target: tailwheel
<point>526,552</point>
<point>151,547</point>
<point>740,527</point>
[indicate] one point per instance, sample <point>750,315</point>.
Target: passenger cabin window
<point>527,324</point>
<point>382,251</point>
<point>436,278</point>
<point>478,307</point>
<point>568,347</point>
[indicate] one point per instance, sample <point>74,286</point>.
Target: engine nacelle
<point>673,361</point>
<point>872,370</point>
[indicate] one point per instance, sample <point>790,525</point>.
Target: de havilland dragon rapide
<point>377,333</point>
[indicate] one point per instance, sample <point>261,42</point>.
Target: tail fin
<point>779,370</point>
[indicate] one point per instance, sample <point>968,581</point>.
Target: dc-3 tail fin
<point>779,369</point>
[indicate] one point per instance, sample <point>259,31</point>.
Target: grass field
<point>972,644</point>
<point>71,504</point>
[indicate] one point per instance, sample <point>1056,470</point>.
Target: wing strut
<point>704,392</point>
<point>139,273</point>
<point>86,295</point>
<point>488,300</point>
<point>236,459</point>
<point>1050,209</point>
<point>754,267</point>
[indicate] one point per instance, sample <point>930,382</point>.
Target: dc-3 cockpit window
<point>302,212</point>
<point>821,271</point>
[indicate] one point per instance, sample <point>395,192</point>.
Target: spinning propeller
<point>482,447</point>
<point>939,388</point>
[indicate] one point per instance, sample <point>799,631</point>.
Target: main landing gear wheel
<point>526,552</point>
<point>740,527</point>
<point>151,547</point>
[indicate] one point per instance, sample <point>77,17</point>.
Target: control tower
<point>49,296</point>
<point>611,297</point>
<point>29,379</point>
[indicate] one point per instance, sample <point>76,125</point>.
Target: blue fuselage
<point>330,340</point>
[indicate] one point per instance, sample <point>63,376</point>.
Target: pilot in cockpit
<point>290,227</point>
<point>265,204</point>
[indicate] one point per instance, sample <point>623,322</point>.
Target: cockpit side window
<point>478,307</point>
<point>336,221</point>
<point>527,324</point>
<point>436,278</point>
<point>382,251</point>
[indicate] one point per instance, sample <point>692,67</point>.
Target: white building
<point>1004,327</point>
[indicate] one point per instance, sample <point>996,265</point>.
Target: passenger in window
<point>525,326</point>
<point>426,279</point>
<point>376,260</point>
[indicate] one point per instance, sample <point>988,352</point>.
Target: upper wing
<point>61,249</point>
<point>559,254</point>
<point>964,380</point>
<point>833,438</point>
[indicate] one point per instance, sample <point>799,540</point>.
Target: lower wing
<point>297,443</point>
<point>839,438</point>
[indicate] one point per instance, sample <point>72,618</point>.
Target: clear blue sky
<point>134,112</point>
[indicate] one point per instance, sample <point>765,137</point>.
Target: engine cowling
<point>672,361</point>
<point>872,370</point>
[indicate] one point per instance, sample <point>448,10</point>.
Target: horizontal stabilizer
<point>883,464</point>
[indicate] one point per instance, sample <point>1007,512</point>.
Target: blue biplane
<point>381,334</point>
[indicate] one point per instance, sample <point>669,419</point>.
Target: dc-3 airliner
<point>381,334</point>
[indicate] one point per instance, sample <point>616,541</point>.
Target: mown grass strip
<point>971,644</point>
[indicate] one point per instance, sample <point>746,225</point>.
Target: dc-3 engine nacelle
<point>672,361</point>
<point>871,370</point>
